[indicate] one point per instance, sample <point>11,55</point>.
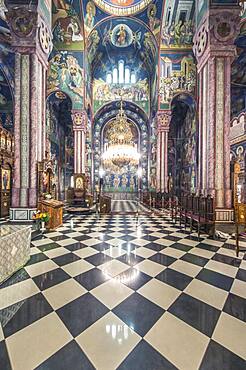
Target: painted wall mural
<point>182,146</point>
<point>137,93</point>
<point>122,56</point>
<point>60,140</point>
<point>178,24</point>
<point>66,74</point>
<point>67,25</point>
<point>177,74</point>
<point>6,103</point>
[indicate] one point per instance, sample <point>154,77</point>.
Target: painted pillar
<point>32,45</point>
<point>79,128</point>
<point>163,121</point>
<point>214,50</point>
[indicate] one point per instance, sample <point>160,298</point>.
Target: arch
<point>134,114</point>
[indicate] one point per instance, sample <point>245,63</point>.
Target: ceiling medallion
<point>122,7</point>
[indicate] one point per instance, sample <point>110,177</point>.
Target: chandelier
<point>120,150</point>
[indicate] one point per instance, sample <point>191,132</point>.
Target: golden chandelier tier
<point>121,149</point>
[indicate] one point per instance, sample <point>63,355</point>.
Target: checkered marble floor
<point>123,292</point>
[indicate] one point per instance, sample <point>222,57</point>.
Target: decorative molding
<point>79,119</point>
<point>163,120</point>
<point>45,38</point>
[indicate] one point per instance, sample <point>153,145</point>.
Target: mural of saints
<point>66,74</point>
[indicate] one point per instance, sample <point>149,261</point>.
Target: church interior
<point>122,184</point>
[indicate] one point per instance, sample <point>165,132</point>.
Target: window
<point>109,78</point>
<point>133,78</point>
<point>115,75</point>
<point>121,72</point>
<point>127,75</point>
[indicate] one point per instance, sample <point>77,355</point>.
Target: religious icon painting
<point>121,36</point>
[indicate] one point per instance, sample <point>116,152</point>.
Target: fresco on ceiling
<point>122,7</point>
<point>177,74</point>
<point>121,37</point>
<point>66,23</point>
<point>178,24</point>
<point>66,74</point>
<point>182,148</point>
<point>119,178</point>
<point>127,42</point>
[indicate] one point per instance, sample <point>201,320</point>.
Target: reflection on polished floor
<point>125,293</point>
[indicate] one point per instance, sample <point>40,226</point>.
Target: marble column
<point>79,128</point>
<point>163,121</point>
<point>32,45</point>
<point>215,50</point>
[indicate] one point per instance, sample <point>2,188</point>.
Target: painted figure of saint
<point>132,183</point>
<point>116,181</point>
<point>90,15</point>
<point>121,36</point>
<point>124,182</point>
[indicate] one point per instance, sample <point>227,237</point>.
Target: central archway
<point>136,177</point>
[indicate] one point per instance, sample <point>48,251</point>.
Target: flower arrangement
<point>41,216</point>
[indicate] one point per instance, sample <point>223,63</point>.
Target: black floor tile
<point>133,278</point>
<point>155,247</point>
<point>65,259</point>
<point>4,358</point>
<point>145,357</point>
<point>208,247</point>
<point>219,358</point>
<point>182,247</point>
<point>130,259</point>
<point>138,313</point>
<point>82,237</point>
<point>162,259</point>
<point>197,314</point>
<point>75,247</point>
<point>216,279</point>
<point>98,259</point>
<point>51,278</point>
<point>68,357</point>
<point>48,247</point>
<point>226,259</point>
<point>235,306</point>
<point>196,260</point>
<point>17,277</point>
<point>174,278</point>
<point>35,258</point>
<point>59,237</point>
<point>91,279</point>
<point>79,314</point>
<point>24,313</point>
<point>241,275</point>
<point>100,247</point>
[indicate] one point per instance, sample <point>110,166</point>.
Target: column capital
<point>163,120</point>
<point>30,34</point>
<point>79,120</point>
<point>216,35</point>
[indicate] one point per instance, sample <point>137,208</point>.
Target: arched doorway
<point>121,180</point>
<point>183,146</point>
<point>59,133</point>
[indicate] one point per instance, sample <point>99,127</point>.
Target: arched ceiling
<point>122,39</point>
